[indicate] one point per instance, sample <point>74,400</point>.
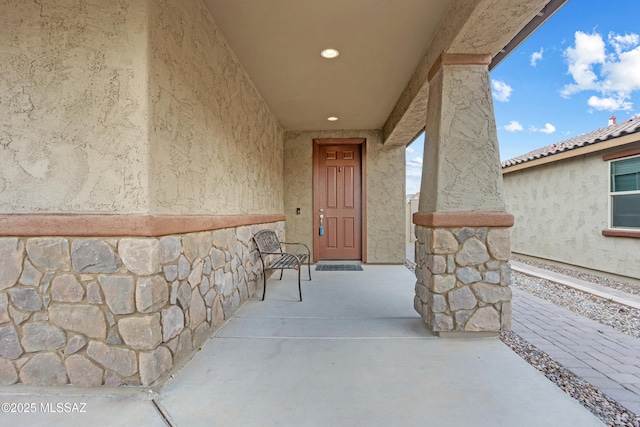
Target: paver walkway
<point>606,358</point>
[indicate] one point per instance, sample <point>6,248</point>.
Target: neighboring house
<point>578,201</point>
<point>411,208</point>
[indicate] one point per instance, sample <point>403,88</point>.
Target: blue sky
<point>580,68</point>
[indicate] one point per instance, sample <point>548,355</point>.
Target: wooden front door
<point>338,197</point>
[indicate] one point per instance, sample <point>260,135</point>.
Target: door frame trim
<point>317,142</point>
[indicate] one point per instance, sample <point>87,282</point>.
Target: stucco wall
<point>130,107</point>
<point>461,157</point>
<point>385,192</point>
<point>72,106</point>
<point>215,146</point>
<point>560,211</point>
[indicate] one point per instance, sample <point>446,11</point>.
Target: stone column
<point>462,230</point>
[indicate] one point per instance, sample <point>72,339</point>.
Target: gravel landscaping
<point>625,287</point>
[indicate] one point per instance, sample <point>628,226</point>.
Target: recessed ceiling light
<point>332,119</point>
<point>329,53</point>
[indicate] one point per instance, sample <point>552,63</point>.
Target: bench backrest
<point>267,241</point>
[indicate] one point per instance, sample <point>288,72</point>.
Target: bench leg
<point>281,271</point>
<point>309,266</point>
<point>264,278</point>
<point>299,286</point>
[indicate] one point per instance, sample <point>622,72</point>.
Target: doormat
<point>338,267</point>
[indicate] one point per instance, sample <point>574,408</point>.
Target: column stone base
<point>463,276</point>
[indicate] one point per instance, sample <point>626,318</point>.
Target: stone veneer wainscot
<point>118,311</point>
<point>463,278</point>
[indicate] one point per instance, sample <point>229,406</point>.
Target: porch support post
<point>463,237</point>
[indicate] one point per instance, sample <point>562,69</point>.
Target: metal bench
<point>274,258</point>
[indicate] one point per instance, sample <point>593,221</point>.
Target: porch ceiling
<point>384,45</point>
<point>278,42</point>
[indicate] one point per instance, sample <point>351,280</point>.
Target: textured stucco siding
<point>215,146</point>
<point>386,194</point>
<point>73,131</point>
<point>130,107</point>
<point>462,161</point>
<point>385,187</point>
<point>560,211</point>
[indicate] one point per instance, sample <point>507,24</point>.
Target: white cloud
<point>610,72</point>
<point>609,104</point>
<point>410,150</point>
<point>622,76</point>
<point>413,180</point>
<point>416,162</point>
<point>513,126</point>
<point>548,129</point>
<point>501,90</point>
<point>536,57</point>
<point>620,43</point>
<point>589,50</point>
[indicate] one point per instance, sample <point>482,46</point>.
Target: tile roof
<point>591,138</point>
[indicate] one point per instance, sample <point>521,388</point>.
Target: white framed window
<point>624,193</point>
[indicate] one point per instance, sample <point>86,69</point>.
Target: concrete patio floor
<point>353,353</point>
